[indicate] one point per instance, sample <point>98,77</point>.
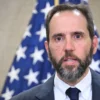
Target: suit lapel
<point>95,85</point>
<point>47,92</point>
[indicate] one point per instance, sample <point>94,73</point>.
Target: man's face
<point>70,47</point>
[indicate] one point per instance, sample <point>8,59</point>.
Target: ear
<point>95,44</point>
<point>46,46</point>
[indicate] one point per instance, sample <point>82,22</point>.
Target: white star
<point>46,9</point>
<point>31,77</point>
<point>85,1</point>
<point>34,11</point>
<point>8,94</point>
<point>27,32</point>
<point>66,0</point>
<point>95,28</point>
<point>42,33</point>
<point>13,74</point>
<point>21,53</point>
<point>99,43</point>
<point>95,65</point>
<point>52,66</point>
<point>37,55</point>
<point>48,76</point>
<point>50,62</point>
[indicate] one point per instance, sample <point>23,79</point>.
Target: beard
<point>67,73</point>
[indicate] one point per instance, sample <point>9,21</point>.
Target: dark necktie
<point>73,93</point>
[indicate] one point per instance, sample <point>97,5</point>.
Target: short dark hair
<point>83,8</point>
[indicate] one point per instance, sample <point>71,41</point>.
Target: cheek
<point>83,50</point>
<point>57,51</point>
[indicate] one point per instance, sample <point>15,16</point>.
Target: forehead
<point>70,16</point>
<point>68,21</point>
<point>74,13</point>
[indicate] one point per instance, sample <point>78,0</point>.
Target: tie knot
<point>73,93</point>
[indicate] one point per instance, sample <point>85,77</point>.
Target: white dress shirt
<point>84,86</point>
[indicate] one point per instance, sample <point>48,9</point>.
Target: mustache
<point>70,54</point>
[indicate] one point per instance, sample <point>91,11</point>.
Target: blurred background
<point>14,18</point>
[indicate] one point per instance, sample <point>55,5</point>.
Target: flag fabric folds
<point>31,65</point>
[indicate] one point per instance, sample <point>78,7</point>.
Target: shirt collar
<point>60,86</point>
<point>83,85</point>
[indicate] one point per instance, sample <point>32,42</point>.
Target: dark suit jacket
<point>45,91</point>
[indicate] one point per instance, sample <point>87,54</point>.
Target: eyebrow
<point>78,32</point>
<point>57,34</point>
<point>62,34</point>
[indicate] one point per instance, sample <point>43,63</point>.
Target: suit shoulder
<point>37,91</point>
<point>28,94</point>
<point>96,77</point>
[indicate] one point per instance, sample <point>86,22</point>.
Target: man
<point>70,45</point>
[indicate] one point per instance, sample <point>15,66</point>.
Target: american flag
<point>31,65</point>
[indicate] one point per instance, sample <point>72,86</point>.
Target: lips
<point>70,60</point>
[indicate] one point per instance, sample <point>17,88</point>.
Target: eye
<point>58,38</point>
<point>78,35</point>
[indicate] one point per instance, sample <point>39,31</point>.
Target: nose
<point>69,45</point>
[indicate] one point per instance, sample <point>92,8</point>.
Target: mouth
<point>70,61</point>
